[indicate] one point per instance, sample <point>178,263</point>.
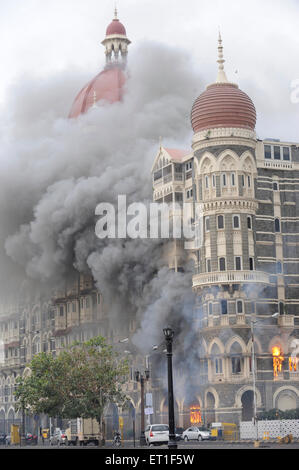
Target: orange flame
<point>195,415</point>
<point>277,360</point>
<point>293,364</point>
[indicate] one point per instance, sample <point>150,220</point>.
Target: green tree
<point>80,382</point>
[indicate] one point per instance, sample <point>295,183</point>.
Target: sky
<point>43,38</point>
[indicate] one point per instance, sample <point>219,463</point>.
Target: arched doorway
<point>247,405</point>
<point>286,401</point>
<point>2,421</point>
<point>210,408</point>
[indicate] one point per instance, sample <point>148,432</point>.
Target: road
<point>212,445</point>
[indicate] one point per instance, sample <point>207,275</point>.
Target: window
<point>207,224</point>
<point>268,151</point>
<point>224,179</point>
<point>188,166</point>
<point>233,179</point>
<point>281,308</point>
<point>236,221</point>
<point>277,225</point>
<point>73,306</point>
<point>240,306</point>
<point>243,180</point>
<point>286,153</point>
<point>223,307</point>
<point>222,264</point>
<point>249,181</point>
<point>210,308</point>
<point>218,366</point>
<point>189,193</point>
<point>275,187</point>
<point>220,222</point>
<point>87,302</point>
<point>249,222</point>
<point>276,153</point>
<point>279,267</point>
<point>209,266</point>
<point>214,181</point>
<point>236,365</point>
<point>238,263</point>
<point>251,264</point>
<point>207,182</point>
<point>61,311</point>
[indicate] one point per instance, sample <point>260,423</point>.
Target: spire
<point>221,77</point>
<point>115,12</point>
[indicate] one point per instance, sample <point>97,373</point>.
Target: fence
<point>269,429</point>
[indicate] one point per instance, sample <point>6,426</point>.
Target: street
<point>195,445</point>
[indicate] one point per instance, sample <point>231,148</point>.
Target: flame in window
<point>293,367</point>
<point>195,415</point>
<point>277,360</point>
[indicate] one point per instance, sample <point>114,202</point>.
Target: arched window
<point>222,264</point>
<point>236,221</point>
<point>217,360</point>
<point>220,220</point>
<point>236,359</point>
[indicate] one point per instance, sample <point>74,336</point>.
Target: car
<point>59,438</point>
<point>31,438</point>
<point>197,434</point>
<point>178,434</point>
<point>157,434</point>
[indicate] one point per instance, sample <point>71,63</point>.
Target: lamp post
<point>169,333</point>
<point>142,378</point>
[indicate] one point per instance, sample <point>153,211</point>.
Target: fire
<point>277,360</point>
<point>293,364</point>
<point>195,415</point>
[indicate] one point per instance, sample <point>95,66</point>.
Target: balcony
<point>286,321</point>
<point>231,277</point>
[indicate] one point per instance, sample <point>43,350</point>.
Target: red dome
<point>107,85</point>
<point>223,105</point>
<point>116,27</point>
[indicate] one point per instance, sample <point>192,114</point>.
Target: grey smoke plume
<point>55,171</point>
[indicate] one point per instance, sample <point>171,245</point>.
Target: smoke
<point>55,171</point>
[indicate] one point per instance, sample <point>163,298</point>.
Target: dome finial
<point>221,77</point>
<point>115,12</point>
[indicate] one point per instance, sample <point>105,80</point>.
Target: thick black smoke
<point>55,171</point>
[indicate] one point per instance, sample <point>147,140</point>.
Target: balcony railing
<point>231,277</point>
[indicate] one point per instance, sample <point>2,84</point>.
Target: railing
<point>231,277</point>
<point>278,164</point>
<point>286,320</point>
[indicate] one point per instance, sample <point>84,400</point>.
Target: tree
<point>80,382</point>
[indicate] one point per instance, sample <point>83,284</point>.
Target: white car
<point>196,434</point>
<point>157,434</point>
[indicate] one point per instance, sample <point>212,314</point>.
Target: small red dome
<point>116,27</point>
<point>223,105</point>
<point>107,85</point>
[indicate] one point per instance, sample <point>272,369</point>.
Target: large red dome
<point>107,85</point>
<point>116,27</point>
<point>223,105</point>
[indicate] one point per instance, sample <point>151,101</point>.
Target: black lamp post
<point>142,378</point>
<point>169,333</point>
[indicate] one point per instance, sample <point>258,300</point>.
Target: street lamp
<point>169,333</point>
<point>253,322</point>
<point>142,378</point>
